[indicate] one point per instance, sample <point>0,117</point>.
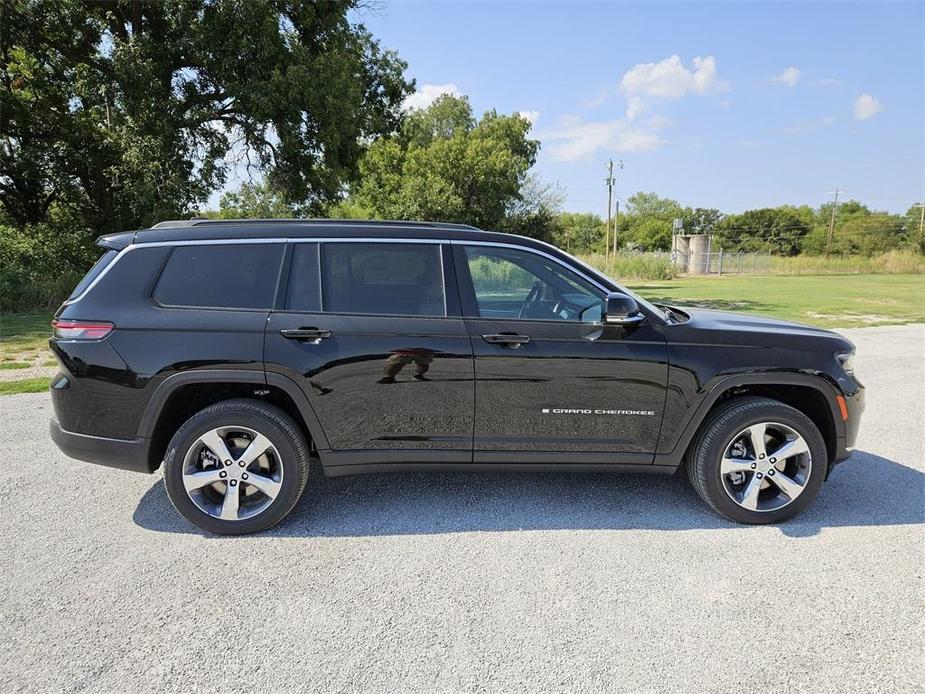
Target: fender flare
<point>169,385</point>
<point>699,415</point>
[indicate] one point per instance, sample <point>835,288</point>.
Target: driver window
<point>510,283</point>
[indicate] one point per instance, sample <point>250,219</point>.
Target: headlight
<point>846,359</point>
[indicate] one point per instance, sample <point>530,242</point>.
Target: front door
<point>553,383</point>
<point>378,345</point>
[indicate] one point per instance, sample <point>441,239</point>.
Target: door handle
<point>507,339</point>
<point>313,335</point>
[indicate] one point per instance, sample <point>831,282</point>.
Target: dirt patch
<point>869,318</point>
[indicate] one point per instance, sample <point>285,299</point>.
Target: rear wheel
<point>236,467</point>
<point>757,460</point>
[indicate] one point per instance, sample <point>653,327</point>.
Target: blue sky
<point>727,105</point>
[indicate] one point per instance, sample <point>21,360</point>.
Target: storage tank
<point>699,259</point>
<point>691,253</point>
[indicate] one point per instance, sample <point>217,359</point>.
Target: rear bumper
<point>125,454</point>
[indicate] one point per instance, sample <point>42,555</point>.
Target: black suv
<point>234,352</point>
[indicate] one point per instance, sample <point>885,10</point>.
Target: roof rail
<point>199,221</point>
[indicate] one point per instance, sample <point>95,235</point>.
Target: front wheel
<point>757,461</point>
<point>238,466</point>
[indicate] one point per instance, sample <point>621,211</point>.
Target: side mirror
<point>622,310</point>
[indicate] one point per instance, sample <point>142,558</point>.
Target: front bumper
<point>125,454</point>
<point>846,443</point>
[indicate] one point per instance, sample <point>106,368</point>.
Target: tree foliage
<point>648,222</point>
<point>443,164</point>
<point>779,230</point>
<point>253,201</point>
<point>582,232</point>
<point>128,112</point>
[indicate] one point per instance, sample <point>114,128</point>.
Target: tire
<point>727,468</point>
<point>252,494</point>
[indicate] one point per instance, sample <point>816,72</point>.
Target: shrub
<point>633,266</point>
<point>905,262</point>
<point>40,265</point>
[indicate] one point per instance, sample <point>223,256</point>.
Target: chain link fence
<point>713,263</point>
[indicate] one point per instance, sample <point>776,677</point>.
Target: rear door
<point>553,383</point>
<point>372,332</point>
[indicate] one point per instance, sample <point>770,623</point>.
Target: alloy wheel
<point>766,466</point>
<point>232,473</point>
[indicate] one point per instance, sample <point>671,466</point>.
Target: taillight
<point>81,330</point>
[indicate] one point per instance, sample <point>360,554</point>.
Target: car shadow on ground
<point>866,490</point>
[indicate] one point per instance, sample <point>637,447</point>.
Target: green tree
<point>647,224</point>
<point>915,229</point>
<point>582,232</point>
<point>779,230</point>
<point>644,205</point>
<point>445,165</point>
<point>254,201</point>
<point>700,220</point>
<point>535,212</point>
<point>124,110</point>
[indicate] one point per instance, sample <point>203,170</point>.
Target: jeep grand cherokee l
<point>233,352</point>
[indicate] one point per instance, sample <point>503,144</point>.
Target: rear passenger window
<point>221,276</point>
<point>383,278</point>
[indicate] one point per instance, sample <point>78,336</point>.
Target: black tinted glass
<point>383,278</point>
<point>95,272</point>
<point>232,276</point>
<point>304,278</point>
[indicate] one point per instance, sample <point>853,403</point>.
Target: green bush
<point>633,267</point>
<point>40,264</point>
<point>898,262</point>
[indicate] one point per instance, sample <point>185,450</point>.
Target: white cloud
<point>428,94</point>
<point>866,106</point>
<point>828,82</point>
<point>531,116</point>
<point>634,107</point>
<point>576,139</point>
<point>790,77</point>
<point>670,79</point>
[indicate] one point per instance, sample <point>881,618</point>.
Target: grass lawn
<point>24,385</point>
<point>832,301</point>
<point>24,334</point>
<point>24,344</point>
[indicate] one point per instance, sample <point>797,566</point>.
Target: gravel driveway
<point>463,582</point>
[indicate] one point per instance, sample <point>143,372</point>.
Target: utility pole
<point>609,182</point>
<point>828,243</point>
<point>616,225</point>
